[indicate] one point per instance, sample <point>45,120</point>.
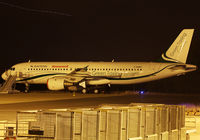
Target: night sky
<point>128,30</point>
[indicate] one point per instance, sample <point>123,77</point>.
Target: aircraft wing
<point>81,75</point>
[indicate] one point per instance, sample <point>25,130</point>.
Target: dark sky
<point>128,30</point>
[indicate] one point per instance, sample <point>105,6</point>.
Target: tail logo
<point>178,51</point>
<point>179,46</point>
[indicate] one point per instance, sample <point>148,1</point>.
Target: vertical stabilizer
<point>178,51</point>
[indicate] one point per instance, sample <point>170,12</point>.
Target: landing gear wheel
<point>96,91</point>
<point>84,91</point>
<point>26,88</point>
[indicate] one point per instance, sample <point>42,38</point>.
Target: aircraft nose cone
<point>4,76</point>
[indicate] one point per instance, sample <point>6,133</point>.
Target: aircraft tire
<point>84,91</point>
<point>96,91</point>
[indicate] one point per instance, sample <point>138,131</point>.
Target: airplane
<point>87,76</point>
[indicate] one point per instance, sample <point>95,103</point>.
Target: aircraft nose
<point>4,76</point>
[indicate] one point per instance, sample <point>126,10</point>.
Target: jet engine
<point>59,83</point>
<point>56,83</point>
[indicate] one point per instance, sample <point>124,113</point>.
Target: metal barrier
<point>7,129</point>
<point>64,125</point>
<point>133,122</point>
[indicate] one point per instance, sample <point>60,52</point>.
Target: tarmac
<point>11,103</point>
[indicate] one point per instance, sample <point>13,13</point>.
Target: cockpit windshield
<point>12,69</point>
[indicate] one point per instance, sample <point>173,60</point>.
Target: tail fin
<point>178,51</point>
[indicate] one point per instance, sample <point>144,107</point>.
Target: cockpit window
<point>12,69</point>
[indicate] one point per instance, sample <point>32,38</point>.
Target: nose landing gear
<point>26,88</point>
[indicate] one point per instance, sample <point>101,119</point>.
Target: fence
<point>133,122</point>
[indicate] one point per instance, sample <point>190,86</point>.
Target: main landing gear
<point>84,91</point>
<point>96,91</point>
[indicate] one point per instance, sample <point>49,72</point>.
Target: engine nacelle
<point>56,83</point>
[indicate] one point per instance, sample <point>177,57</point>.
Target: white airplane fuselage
<point>115,72</point>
